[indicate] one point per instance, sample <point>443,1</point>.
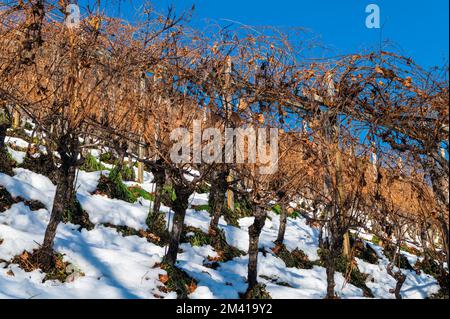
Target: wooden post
<point>228,110</point>
<point>230,194</point>
<point>346,251</point>
<point>16,119</point>
<point>140,177</point>
<point>377,186</point>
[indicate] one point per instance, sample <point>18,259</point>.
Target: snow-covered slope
<point>127,267</point>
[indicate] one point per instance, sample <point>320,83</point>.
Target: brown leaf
<point>214,258</point>
<point>153,237</point>
<point>25,255</point>
<point>143,233</point>
<point>260,118</point>
<point>242,105</point>
<point>59,264</point>
<point>191,288</point>
<point>163,278</point>
<point>379,70</point>
<point>10,273</point>
<point>276,249</point>
<point>407,82</point>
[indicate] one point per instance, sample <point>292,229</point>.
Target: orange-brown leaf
<point>163,278</point>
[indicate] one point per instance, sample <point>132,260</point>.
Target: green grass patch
<point>198,238</point>
<point>107,158</point>
<point>168,195</point>
<point>201,207</point>
<point>91,164</point>
<point>375,240</point>
<point>137,192</point>
<point>114,187</point>
<point>277,209</point>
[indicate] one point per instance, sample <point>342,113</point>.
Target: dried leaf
<point>242,105</point>
<point>25,255</point>
<point>163,278</point>
<point>261,118</point>
<point>192,287</point>
<point>379,70</point>
<point>59,264</point>
<point>214,258</point>
<point>276,249</point>
<point>407,82</point>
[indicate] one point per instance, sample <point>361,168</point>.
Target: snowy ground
<point>124,267</point>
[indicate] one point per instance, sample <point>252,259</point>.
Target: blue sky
<point>417,28</point>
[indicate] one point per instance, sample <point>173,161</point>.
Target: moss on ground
<point>156,224</point>
<point>60,270</point>
<point>296,258</point>
<point>151,237</point>
<point>34,205</point>
<point>107,158</point>
<point>177,280</point>
<point>200,208</point>
<point>75,214</point>
<point>276,281</point>
<point>215,238</point>
<point>198,237</point>
<point>6,162</point>
<point>137,192</point>
<point>6,200</point>
<point>364,251</point>
<point>114,187</point>
<point>258,292</point>
<point>43,164</point>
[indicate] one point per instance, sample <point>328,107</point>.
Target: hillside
<point>112,261</point>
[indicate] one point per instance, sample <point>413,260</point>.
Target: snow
<point>17,156</point>
<point>416,286</point>
<point>102,209</point>
<point>17,142</point>
<point>197,199</point>
<point>29,186</point>
<point>87,182</point>
<point>114,266</point>
<point>124,267</point>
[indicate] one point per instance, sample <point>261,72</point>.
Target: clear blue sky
<point>418,28</point>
